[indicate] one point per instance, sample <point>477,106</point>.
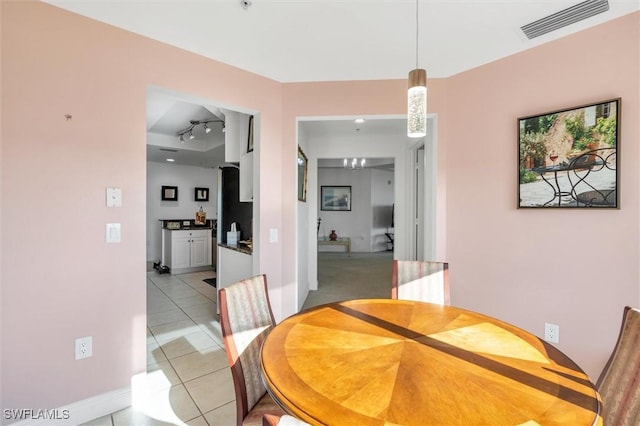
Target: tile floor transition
<point>188,380</point>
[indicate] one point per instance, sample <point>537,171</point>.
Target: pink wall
<point>61,281</point>
<point>573,268</point>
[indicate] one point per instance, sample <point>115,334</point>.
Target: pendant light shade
<point>417,95</point>
<point>417,104</point>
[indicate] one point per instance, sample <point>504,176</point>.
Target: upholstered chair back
<point>619,382</point>
<point>420,280</point>
<point>246,320</point>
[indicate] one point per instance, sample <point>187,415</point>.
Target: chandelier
<point>353,164</point>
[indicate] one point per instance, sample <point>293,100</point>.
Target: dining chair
<point>424,281</point>
<point>285,420</point>
<point>246,319</point>
<point>618,383</point>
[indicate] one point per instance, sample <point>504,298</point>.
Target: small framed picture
<point>201,194</point>
<point>169,193</point>
<point>335,198</point>
<point>250,138</point>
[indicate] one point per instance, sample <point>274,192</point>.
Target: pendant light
<point>417,97</point>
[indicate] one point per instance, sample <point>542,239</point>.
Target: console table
<point>345,241</point>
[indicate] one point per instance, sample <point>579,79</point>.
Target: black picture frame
<point>335,198</point>
<point>250,135</point>
<point>568,158</point>
<point>169,193</point>
<point>201,194</point>
<point>303,165</point>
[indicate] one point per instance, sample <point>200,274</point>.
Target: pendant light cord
<point>417,27</point>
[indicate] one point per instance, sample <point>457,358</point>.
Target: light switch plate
<point>114,197</point>
<point>113,232</point>
<point>273,235</point>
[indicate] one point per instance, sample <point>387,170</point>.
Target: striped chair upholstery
<point>619,382</point>
<point>246,319</point>
<point>420,280</point>
<point>286,420</point>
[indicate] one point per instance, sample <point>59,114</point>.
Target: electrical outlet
<point>551,333</point>
<point>84,347</point>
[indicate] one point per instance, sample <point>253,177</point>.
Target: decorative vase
<point>333,236</point>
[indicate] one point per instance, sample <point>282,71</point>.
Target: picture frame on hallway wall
<point>303,162</point>
<point>335,198</point>
<point>250,137</point>
<point>169,193</point>
<point>568,158</point>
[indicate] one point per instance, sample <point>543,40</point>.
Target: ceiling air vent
<point>565,17</point>
<point>168,150</point>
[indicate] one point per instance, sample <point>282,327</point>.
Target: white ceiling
<point>323,40</point>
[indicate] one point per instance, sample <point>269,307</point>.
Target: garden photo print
<point>568,158</point>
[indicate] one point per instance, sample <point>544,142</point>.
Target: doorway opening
<point>182,322</point>
<point>334,139</point>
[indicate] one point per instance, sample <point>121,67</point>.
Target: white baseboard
<point>80,411</point>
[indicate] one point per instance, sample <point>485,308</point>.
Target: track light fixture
<point>195,123</point>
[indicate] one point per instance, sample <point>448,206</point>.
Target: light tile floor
<point>188,380</point>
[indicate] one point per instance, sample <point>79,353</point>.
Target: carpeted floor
<point>359,276</point>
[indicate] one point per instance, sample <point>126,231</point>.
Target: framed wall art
<point>335,198</point>
<point>201,194</point>
<point>302,175</point>
<point>569,158</point>
<point>169,193</point>
<point>250,137</point>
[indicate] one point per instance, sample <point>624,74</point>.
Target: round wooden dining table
<point>384,362</point>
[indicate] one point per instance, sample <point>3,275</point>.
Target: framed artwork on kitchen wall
<point>169,193</point>
<point>201,194</point>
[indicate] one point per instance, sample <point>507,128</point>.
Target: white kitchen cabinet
<point>236,136</point>
<point>233,265</point>
<point>187,250</point>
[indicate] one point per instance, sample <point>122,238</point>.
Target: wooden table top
<point>383,361</point>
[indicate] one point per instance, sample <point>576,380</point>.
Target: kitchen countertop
<point>190,228</point>
<point>239,248</point>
